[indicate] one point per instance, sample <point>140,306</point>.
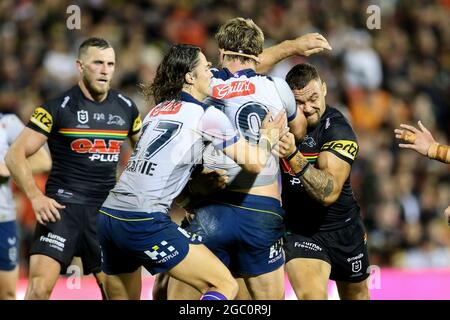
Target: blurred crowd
<point>397,73</point>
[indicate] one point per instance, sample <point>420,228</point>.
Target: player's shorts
<point>132,239</point>
<point>74,235</point>
<point>244,231</point>
<point>9,246</point>
<point>344,249</point>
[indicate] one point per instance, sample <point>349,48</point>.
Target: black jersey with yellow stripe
<point>304,215</point>
<point>84,138</point>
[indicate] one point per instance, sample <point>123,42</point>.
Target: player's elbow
<point>328,201</point>
<point>9,158</point>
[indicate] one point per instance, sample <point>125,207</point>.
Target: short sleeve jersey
<point>84,138</point>
<point>305,215</point>
<point>174,135</point>
<point>246,97</point>
<point>10,127</point>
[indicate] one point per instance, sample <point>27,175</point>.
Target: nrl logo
<point>356,266</point>
<point>83,116</point>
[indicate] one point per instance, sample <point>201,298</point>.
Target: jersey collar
<point>186,97</point>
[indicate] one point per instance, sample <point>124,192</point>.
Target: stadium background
<point>399,73</point>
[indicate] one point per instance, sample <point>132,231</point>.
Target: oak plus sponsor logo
<point>54,241</point>
<point>233,89</point>
<point>99,149</point>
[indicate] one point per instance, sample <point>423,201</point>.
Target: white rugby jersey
<point>174,135</point>
<point>246,97</point>
<point>10,127</point>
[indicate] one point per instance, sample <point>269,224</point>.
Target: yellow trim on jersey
<point>43,119</point>
<point>347,148</point>
<point>247,208</point>
<point>137,124</point>
<point>123,219</point>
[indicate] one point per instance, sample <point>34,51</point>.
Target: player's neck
<point>194,93</point>
<point>235,65</point>
<point>89,95</point>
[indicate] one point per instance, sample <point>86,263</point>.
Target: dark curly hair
<point>169,79</point>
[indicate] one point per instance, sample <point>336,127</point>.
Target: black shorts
<point>74,235</point>
<point>344,249</point>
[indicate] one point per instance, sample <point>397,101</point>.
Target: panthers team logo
<point>83,116</point>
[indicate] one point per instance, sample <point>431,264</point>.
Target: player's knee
<point>233,287</point>
<point>227,286</point>
<point>38,289</point>
<point>355,291</point>
<point>7,293</point>
<point>312,294</point>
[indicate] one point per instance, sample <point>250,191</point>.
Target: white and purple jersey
<point>246,97</point>
<point>174,135</point>
<point>10,127</point>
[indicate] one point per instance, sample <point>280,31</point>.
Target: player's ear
<point>189,78</point>
<point>80,65</point>
<point>324,88</point>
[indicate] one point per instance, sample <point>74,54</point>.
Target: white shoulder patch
<point>127,101</point>
<point>64,103</point>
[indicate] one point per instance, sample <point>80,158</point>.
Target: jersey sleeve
<point>287,97</point>
<point>339,138</point>
<point>43,119</point>
<point>136,123</point>
<point>13,127</point>
<point>215,127</point>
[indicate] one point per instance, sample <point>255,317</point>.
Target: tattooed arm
<point>325,181</point>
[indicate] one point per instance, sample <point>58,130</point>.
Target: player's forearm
<point>439,152</point>
<point>317,183</point>
<point>272,55</point>
<point>21,172</point>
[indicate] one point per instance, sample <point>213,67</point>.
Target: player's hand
<point>276,128</point>
<point>419,140</point>
<point>208,182</point>
<point>46,209</point>
<point>447,214</point>
<point>311,43</point>
<point>286,146</point>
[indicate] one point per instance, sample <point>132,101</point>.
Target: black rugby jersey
<point>304,215</point>
<point>84,138</point>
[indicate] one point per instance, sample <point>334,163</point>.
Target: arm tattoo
<point>317,183</point>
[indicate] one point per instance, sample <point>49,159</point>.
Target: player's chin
<point>312,121</point>
<point>101,88</point>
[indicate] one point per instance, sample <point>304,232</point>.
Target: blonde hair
<point>241,36</point>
